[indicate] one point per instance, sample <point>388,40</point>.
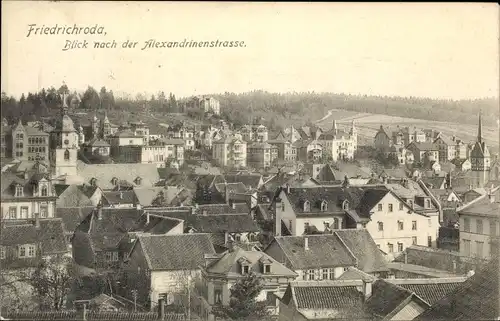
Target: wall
<point>169,282</point>
<point>32,206</point>
<point>426,226</point>
<point>473,236</point>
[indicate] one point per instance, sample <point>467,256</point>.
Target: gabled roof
<point>175,252</point>
<point>50,235</point>
<point>325,250</point>
<point>364,249</point>
<point>475,299</point>
<point>228,264</point>
<point>231,223</point>
<point>251,181</point>
<point>232,188</point>
<point>147,195</point>
<point>9,181</point>
<point>104,173</point>
<point>434,182</point>
<point>430,290</point>
<point>110,198</point>
<point>72,196</point>
<point>73,216</point>
<point>480,149</point>
<point>386,298</point>
<point>483,207</point>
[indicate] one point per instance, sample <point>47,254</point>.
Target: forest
<point>275,110</point>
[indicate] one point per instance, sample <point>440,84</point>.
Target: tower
<point>480,159</point>
<point>354,135</point>
<point>65,144</point>
<point>106,126</point>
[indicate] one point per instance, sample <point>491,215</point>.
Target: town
<point>213,220</point>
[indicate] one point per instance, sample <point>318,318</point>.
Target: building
<point>396,215</point>
<point>140,128</point>
<point>96,147</point>
<point>28,143</point>
<point>209,105</point>
<point>447,148</point>
<point>261,154</point>
<point>287,151</point>
<point>327,256</point>
<point>424,152</point>
<point>479,226</point>
<point>339,144</point>
<point>230,152</point>
<point>382,140</point>
<point>405,136</point>
<point>27,194</point>
<point>480,159</point>
<point>309,151</point>
<point>222,271</point>
<point>165,265</point>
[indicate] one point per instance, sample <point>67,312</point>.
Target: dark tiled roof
<point>9,181</point>
<point>483,207</point>
<point>232,188</point>
<point>475,299</point>
<point>217,209</point>
<point>386,297</point>
<point>434,182</point>
<point>323,251</point>
<point>72,196</point>
<point>121,197</point>
<point>248,180</point>
<point>327,297</point>
<point>360,198</point>
<point>432,292</point>
<point>73,216</point>
<point>362,246</point>
<point>233,223</point>
<point>50,235</point>
<point>176,252</point>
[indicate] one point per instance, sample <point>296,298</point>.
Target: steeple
<point>480,130</point>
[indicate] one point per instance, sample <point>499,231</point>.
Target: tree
<point>52,281</point>
<point>91,99</point>
<point>243,304</point>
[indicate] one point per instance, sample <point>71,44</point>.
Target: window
<point>493,228</point>
<point>66,154</point>
<point>22,251</point>
<point>307,206</point>
<point>290,225</point>
<point>400,225</point>
<point>479,249</point>
<point>414,225</point>
<point>24,212</point>
<point>466,247</point>
<point>31,250</point>
<point>27,251</point>
<point>380,226</point>
<point>109,256</point>
<point>331,271</point>
<point>311,275</point>
<point>429,241</point>
<point>427,203</point>
<point>19,191</point>
<point>336,223</point>
<point>306,227</point>
<point>305,276</point>
<point>400,247</point>
<point>324,206</point>
<point>390,247</point>
<point>267,268</point>
<point>245,269</point>
<point>43,211</point>
<point>115,256</point>
<point>467,224</point>
<point>13,212</point>
<point>270,299</point>
<point>380,207</point>
<point>325,274</point>
<point>390,207</point>
<point>414,240</point>
<point>44,191</point>
<point>479,226</point>
<point>2,252</point>
<point>345,205</point>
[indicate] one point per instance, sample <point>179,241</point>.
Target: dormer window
<point>324,206</point>
<point>138,180</point>
<point>307,206</point>
<point>345,205</point>
<point>19,191</point>
<point>266,265</point>
<point>245,265</point>
<point>93,181</point>
<point>410,202</point>
<point>114,181</point>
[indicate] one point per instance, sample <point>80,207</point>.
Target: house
<point>339,144</point>
<point>25,194</point>
<point>96,147</point>
<point>462,164</point>
<point>26,143</point>
<point>159,152</point>
<point>162,196</point>
<point>117,176</point>
<point>475,299</point>
<point>309,151</point>
<point>209,105</point>
<point>287,151</point>
<point>23,244</point>
<point>328,256</point>
<point>261,154</point>
<point>405,299</point>
<point>405,136</point>
<point>382,141</point>
<point>165,264</point>
<point>479,226</point>
<point>77,195</point>
<point>424,152</point>
<point>71,218</point>
<point>329,300</point>
<point>435,182</point>
<point>446,146</point>
<point>119,199</point>
<point>97,241</point>
<point>222,271</point>
<point>230,152</point>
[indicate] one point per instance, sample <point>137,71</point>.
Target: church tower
<point>480,159</point>
<point>354,135</point>
<point>65,144</point>
<point>106,126</point>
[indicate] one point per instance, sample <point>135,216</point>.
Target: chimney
<point>406,257</point>
<point>161,309</point>
<point>233,205</point>
<point>306,243</point>
<point>491,197</point>
<point>226,193</point>
<point>193,209</point>
<point>37,220</point>
<point>99,211</point>
<point>454,266</point>
<point>84,312</point>
<point>121,195</point>
<point>367,289</point>
<point>26,175</point>
<point>147,218</point>
<point>287,189</point>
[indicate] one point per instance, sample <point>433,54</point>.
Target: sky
<point>430,50</point>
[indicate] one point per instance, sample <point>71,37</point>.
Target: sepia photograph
<point>275,161</point>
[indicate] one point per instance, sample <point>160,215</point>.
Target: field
<point>368,124</point>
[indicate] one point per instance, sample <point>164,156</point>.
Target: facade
<point>424,152</point>
<point>210,104</point>
<point>447,148</point>
<point>230,152</point>
<point>309,151</point>
<point>96,147</point>
<point>286,150</point>
<point>28,194</point>
<point>405,136</point>
<point>26,143</point>
<point>339,144</point>
<point>479,226</point>
<point>140,129</point>
<point>382,140</point>
<point>261,154</point>
<point>222,271</point>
